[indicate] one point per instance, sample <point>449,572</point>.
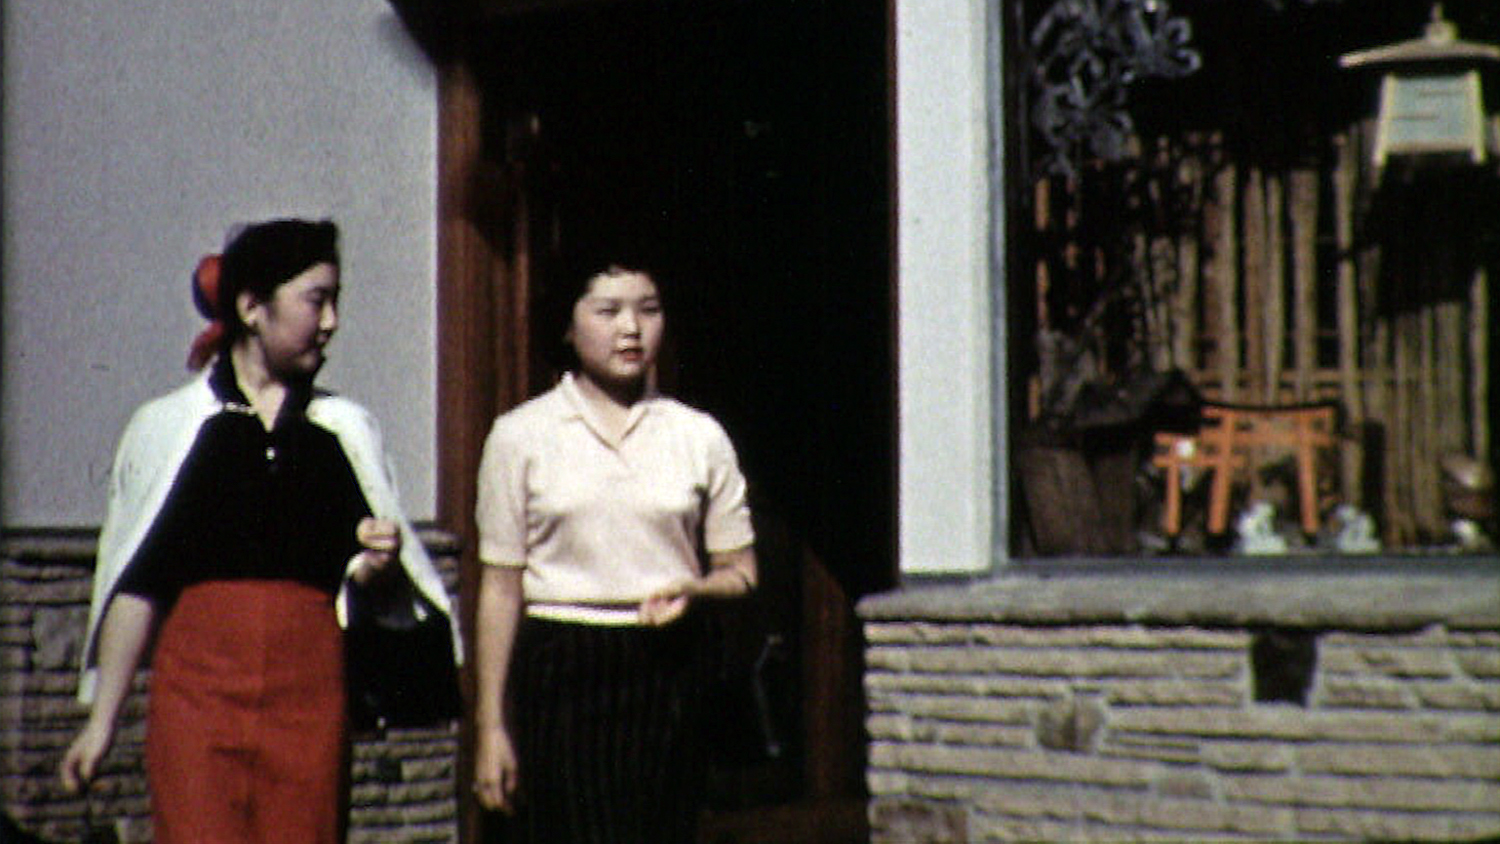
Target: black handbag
<point>399,668</point>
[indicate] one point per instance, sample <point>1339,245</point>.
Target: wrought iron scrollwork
<point>1085,57</point>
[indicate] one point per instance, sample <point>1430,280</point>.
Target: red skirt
<point>246,737</point>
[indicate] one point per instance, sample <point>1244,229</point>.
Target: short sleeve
<point>500,510</point>
<point>726,517</point>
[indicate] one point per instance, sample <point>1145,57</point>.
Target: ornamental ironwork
<point>1086,55</point>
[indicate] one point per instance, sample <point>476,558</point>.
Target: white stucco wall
<point>134,135</point>
<point>944,303</point>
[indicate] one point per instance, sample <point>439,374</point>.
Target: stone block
<point>948,788</point>
<point>990,828</point>
<point>890,726</point>
<point>978,735</point>
<point>1247,756</point>
<point>955,708</point>
<point>917,633</point>
<point>1367,825</point>
<point>885,782</point>
<point>1178,783</point>
<point>58,593</point>
<point>61,684</point>
<point>978,685</point>
<point>1010,764</point>
<point>1062,802</point>
<point>1071,724</point>
<point>906,821</point>
<point>1472,696</point>
<point>57,634</point>
<point>1391,793</point>
<point>1361,693</point>
<point>1175,692</point>
<point>1387,661</point>
<point>1155,749</point>
<point>1481,663</point>
<point>1057,662</point>
<point>1439,761</point>
<point>16,635</point>
<point>1292,723</point>
<point>1210,816</point>
<point>1475,639</point>
<point>1133,637</point>
<point>1431,636</point>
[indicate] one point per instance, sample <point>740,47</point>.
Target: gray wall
<point>134,135</point>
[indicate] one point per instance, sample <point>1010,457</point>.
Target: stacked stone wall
<point>987,730</point>
<point>402,780</point>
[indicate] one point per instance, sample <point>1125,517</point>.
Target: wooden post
<point>1305,280</point>
<point>1042,220</point>
<point>1220,313</point>
<point>1273,315</point>
<point>1253,283</point>
<point>465,392</point>
<point>1185,326</point>
<point>1405,432</point>
<point>1351,385</point>
<point>1424,478</point>
<point>1479,362</point>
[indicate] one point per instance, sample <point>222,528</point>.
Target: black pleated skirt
<point>607,723</point>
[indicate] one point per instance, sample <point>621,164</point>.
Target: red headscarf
<point>206,299</point>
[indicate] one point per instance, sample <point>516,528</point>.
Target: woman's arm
<point>731,574</point>
<point>123,637</point>
<point>497,617</point>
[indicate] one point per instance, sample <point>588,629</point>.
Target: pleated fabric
<point>607,725</point>
<point>246,738</point>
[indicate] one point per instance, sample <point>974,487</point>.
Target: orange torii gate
<point>1223,445</point>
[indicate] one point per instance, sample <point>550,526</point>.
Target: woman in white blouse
<point>598,503</point>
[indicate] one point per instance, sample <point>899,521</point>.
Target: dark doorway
<point>742,151</point>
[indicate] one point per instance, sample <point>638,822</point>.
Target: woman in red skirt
<point>243,509</point>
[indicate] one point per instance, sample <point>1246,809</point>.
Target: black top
<point>249,503</point>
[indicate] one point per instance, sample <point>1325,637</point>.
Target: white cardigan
<point>152,450</point>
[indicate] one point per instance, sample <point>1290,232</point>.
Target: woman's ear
<point>248,307</point>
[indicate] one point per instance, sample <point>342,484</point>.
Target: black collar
<point>226,388</point>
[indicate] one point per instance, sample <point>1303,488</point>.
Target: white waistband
<point>585,613</point>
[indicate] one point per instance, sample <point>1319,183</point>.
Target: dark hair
<point>262,257</point>
<point>563,289</point>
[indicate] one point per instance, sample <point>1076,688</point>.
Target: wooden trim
<point>831,679</point>
<point>464,365</point>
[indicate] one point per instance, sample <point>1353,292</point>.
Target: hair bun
<point>206,287</point>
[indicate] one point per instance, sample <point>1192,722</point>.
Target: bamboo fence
<point>1280,291</point>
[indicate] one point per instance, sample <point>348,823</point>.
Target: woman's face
<point>617,328</point>
<point>298,320</point>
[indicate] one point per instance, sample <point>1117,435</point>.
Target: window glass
<point>1239,325</point>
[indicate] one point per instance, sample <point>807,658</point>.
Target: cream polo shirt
<point>597,525</point>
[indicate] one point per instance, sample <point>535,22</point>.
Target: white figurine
<point>1257,531</point>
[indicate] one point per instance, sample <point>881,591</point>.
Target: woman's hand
<point>666,605</point>
<point>731,574</point>
<point>495,770</point>
<point>381,541</point>
<point>81,761</point>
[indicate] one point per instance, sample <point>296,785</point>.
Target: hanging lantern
<point>1431,102</point>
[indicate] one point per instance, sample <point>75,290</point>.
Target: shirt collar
<point>226,388</point>
<point>575,406</point>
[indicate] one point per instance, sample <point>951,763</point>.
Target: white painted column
<point>944,303</point>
